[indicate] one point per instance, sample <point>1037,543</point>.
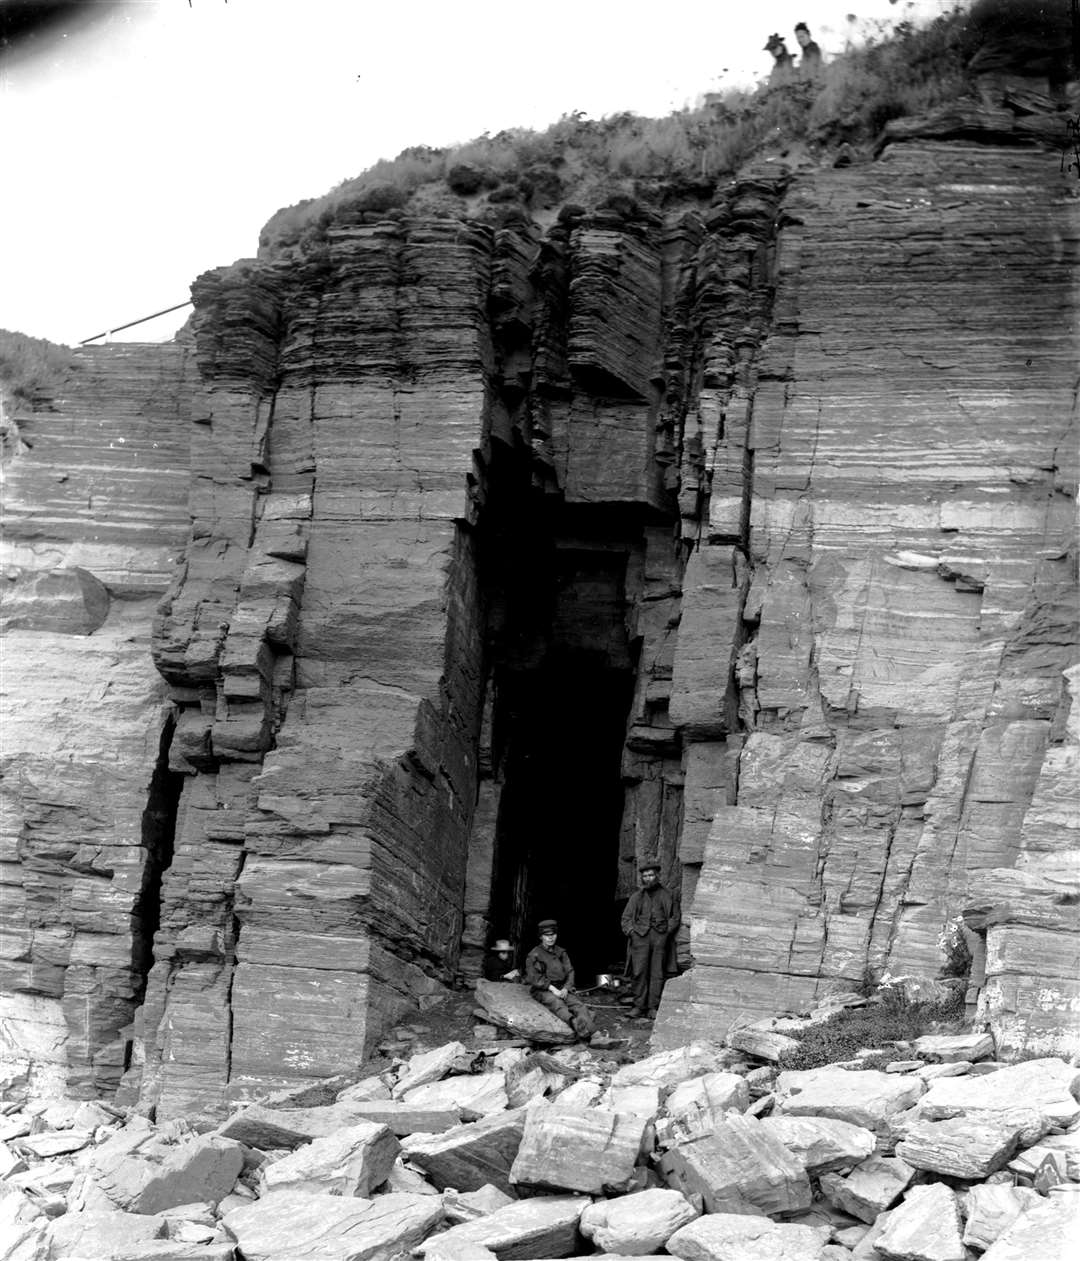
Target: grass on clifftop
<point>30,367</point>
<point>900,70</point>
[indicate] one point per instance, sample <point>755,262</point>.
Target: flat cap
<point>548,926</point>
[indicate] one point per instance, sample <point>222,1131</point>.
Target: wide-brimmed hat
<point>548,926</point>
<point>775,40</point>
<point>502,945</point>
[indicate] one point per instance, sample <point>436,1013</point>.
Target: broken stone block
<point>530,1083</point>
<point>428,1066</point>
<point>637,1224</point>
<point>470,1156</point>
<point>402,1118</point>
<point>467,1206</point>
<point>961,1148</point>
<point>991,1209</point>
<point>695,1107</point>
<point>870,1188</point>
<point>510,1007</point>
<point>87,1236</point>
<point>564,1149</point>
<point>473,1096</point>
<point>720,1236</point>
<point>1048,1231</point>
<point>948,1048</point>
<point>957,1069</point>
<point>669,1068</point>
<point>54,1143</point>
<point>306,1226</point>
<point>1048,1088</point>
<point>582,1093</point>
<point>739,1168</point>
<point>823,1144</point>
<point>643,1101</point>
<point>352,1161</point>
<point>404,1180</point>
<point>543,1227</point>
<point>1069,1146</point>
<point>764,1039</point>
<point>865,1098</point>
<point>268,1128</point>
<point>925,1227</point>
<point>366,1091</point>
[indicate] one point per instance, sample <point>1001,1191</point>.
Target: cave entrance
<point>561,806</point>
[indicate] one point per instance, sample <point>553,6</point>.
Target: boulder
<point>642,1101</point>
<point>352,1161</point>
<point>765,1039</point>
<point>566,1149</point>
<point>470,1156</point>
<point>638,1224</point>
<point>961,1148</point>
<point>543,1227</point>
<point>157,1174</point>
<point>1048,1088</point>
<point>669,1068</point>
<point>99,1235</point>
<point>991,1208</point>
<point>428,1066</point>
<point>473,1096</point>
<point>696,1106</point>
<point>467,1206</point>
<point>867,1098</point>
<point>509,1007</point>
<point>299,1225</point>
<point>268,1128</point>
<point>727,1236</point>
<point>402,1118</point>
<point>870,1188</point>
<point>1047,1231</point>
<point>739,1168</point>
<point>950,1048</point>
<point>823,1144</point>
<point>926,1227</point>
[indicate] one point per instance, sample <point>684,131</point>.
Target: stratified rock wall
<point>908,596</point>
<point>95,520</point>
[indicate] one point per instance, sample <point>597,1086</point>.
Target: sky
<point>147,141</point>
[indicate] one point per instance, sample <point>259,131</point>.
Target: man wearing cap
<point>810,63</point>
<point>499,962</point>
<point>650,919</point>
<point>550,976</point>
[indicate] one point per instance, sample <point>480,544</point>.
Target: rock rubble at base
<point>665,1156</point>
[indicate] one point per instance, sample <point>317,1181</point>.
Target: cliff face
<point>739,535</point>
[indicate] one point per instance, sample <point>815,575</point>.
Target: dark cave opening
<point>158,836</point>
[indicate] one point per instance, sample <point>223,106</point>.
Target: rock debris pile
<point>499,1151</point>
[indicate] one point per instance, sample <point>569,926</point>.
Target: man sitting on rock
<point>650,919</point>
<point>550,976</point>
<point>499,962</point>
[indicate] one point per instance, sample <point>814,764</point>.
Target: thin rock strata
<point>780,488</point>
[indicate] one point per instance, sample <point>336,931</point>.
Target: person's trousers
<point>571,1010</point>
<point>647,966</point>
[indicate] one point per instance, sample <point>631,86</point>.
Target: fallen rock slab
<point>428,1066</point>
<point>1048,1087</point>
<point>669,1068</point>
<point>637,1224</point>
<point>467,1206</point>
<point>540,1228</point>
<point>294,1225</point>
<point>822,1144</point>
<point>203,1168</point>
<point>510,1007</point>
<point>949,1048</point>
<point>991,1208</point>
<point>870,1188</point>
<point>352,1161</point>
<point>564,1149</point>
<point>735,1237</point>
<point>472,1096</point>
<point>470,1156</point>
<point>925,1227</point>
<point>961,1148</point>
<point>867,1097</point>
<point>740,1168</point>
<point>269,1128</point>
<point>54,1143</point>
<point>402,1118</point>
<point>765,1039</point>
<point>695,1107</point>
<point>1048,1231</point>
<point>87,1236</point>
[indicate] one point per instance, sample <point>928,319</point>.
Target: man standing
<point>550,975</point>
<point>810,63</point>
<point>650,918</point>
<point>783,62</point>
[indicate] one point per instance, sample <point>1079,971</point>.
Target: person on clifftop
<point>499,962</point>
<point>650,920</point>
<point>783,70</point>
<point>810,63</point>
<point>550,976</point>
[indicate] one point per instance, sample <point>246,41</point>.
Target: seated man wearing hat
<point>499,962</point>
<point>550,975</point>
<point>650,919</point>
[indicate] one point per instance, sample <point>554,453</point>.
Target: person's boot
<point>635,1012</point>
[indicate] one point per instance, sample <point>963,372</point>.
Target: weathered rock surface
<point>510,1007</point>
<point>469,1156</point>
<point>870,1188</point>
<point>721,1235</point>
<point>867,1098</point>
<point>352,1161</point>
<point>1048,1231</point>
<point>544,1227</point>
<point>990,1209</point>
<point>961,1148</point>
<point>636,1225</point>
<point>823,1144</point>
<point>565,1149</point>
<point>925,1227</point>
<point>696,1107</point>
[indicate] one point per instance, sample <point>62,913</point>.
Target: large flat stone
<point>539,1228</point>
<point>1047,1087</point>
<point>352,1162</point>
<point>593,1151</point>
<point>990,1209</point>
<point>720,1236</point>
<point>293,1225</point>
<point>823,1144</point>
<point>669,1068</point>
<point>428,1066</point>
<point>402,1118</point>
<point>867,1098</point>
<point>739,1168</point>
<point>510,1007</point>
<point>925,1227</point>
<point>473,1096</point>
<point>638,1224</point>
<point>960,1148</point>
<point>870,1188</point>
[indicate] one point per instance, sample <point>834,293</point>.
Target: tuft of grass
<point>898,70</point>
<point>853,1028</point>
<point>31,368</point>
